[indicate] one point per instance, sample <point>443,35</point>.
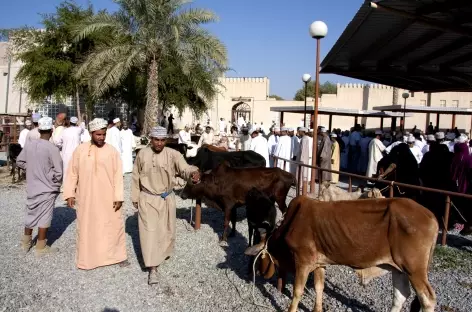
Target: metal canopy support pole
<point>315,117</point>
<point>281,119</point>
<point>393,125</point>
<point>381,123</point>
<point>428,115</point>
<point>453,121</point>
<point>437,120</point>
<point>330,122</point>
<point>355,120</point>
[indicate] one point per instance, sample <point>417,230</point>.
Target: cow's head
<point>200,189</point>
<point>266,262</point>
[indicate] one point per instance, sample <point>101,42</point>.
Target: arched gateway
<point>241,109</point>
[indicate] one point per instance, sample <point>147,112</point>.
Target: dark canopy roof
<point>422,45</point>
<point>337,111</point>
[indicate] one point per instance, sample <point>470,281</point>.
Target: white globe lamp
<point>318,30</point>
<point>306,78</point>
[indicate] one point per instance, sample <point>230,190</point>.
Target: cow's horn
<point>207,172</point>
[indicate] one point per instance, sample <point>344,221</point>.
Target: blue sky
<point>264,37</point>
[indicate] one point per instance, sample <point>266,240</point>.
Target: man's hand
<point>380,177</point>
<point>196,177</point>
<point>135,205</point>
<point>70,202</point>
<point>117,205</point>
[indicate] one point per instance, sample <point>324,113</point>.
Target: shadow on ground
<point>132,230</point>
<point>456,241</point>
<point>61,219</point>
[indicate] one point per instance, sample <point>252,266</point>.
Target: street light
<point>405,95</point>
<point>306,79</point>
<point>318,30</point>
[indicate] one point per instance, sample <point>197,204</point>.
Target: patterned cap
<point>439,135</point>
<point>158,132</point>
<point>304,129</point>
<point>462,139</point>
<point>74,120</point>
<point>116,120</point>
<point>322,129</point>
<point>284,129</point>
<point>430,137</point>
<point>45,123</point>
<point>276,128</point>
<point>333,135</point>
<point>36,117</point>
<point>97,124</point>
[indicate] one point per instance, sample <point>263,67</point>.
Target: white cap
<point>430,137</point>
<point>252,131</point>
<point>284,129</point>
<point>462,139</point>
<point>97,124</point>
<point>28,122</point>
<point>378,132</point>
<point>439,135</point>
<point>276,128</point>
<point>290,129</point>
<point>410,139</point>
<point>322,129</point>
<point>304,129</point>
<point>74,120</point>
<point>116,120</point>
<point>45,123</point>
<point>333,135</point>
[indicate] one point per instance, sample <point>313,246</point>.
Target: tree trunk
<point>152,111</point>
<point>395,96</point>
<point>77,99</point>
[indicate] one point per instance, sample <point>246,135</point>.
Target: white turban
<point>439,135</point>
<point>116,120</point>
<point>158,132</point>
<point>97,124</point>
<point>462,139</point>
<point>430,137</point>
<point>45,123</point>
<point>74,120</point>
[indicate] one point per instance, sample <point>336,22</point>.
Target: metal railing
<point>391,185</point>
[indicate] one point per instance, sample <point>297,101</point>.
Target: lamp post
<point>318,30</point>
<point>306,79</point>
<point>405,95</point>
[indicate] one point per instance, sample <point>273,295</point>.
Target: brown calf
<point>373,236</point>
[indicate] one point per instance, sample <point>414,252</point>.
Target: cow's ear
<point>254,250</point>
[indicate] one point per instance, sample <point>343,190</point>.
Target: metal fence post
<point>446,220</point>
<point>391,190</point>
<point>350,184</point>
<point>299,168</point>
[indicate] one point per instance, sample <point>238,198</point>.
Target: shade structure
<point>422,45</point>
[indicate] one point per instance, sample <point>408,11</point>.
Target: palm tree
<point>144,35</point>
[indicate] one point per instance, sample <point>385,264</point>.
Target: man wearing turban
<point>95,181</point>
<point>154,174</point>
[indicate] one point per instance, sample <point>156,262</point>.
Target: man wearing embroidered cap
<point>128,145</point>
<point>95,180</point>
<point>376,148</point>
<point>429,140</point>
<point>414,149</point>
<point>305,152</point>
<point>68,141</point>
<point>244,142</point>
<point>113,136</point>
<point>43,165</point>
<point>259,145</point>
<point>154,172</point>
<point>207,137</point>
<point>24,133</point>
<point>33,134</point>
<point>284,149</point>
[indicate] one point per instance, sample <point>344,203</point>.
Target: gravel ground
<point>202,276</point>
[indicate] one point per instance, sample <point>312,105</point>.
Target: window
<point>423,103</point>
<point>455,103</point>
<point>442,103</point>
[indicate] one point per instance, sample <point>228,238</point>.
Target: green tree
<point>50,57</point>
<point>325,88</point>
<point>147,36</point>
<point>275,96</point>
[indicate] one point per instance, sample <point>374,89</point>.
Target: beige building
<point>248,97</point>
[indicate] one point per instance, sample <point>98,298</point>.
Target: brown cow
<point>373,236</point>
<point>226,188</point>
